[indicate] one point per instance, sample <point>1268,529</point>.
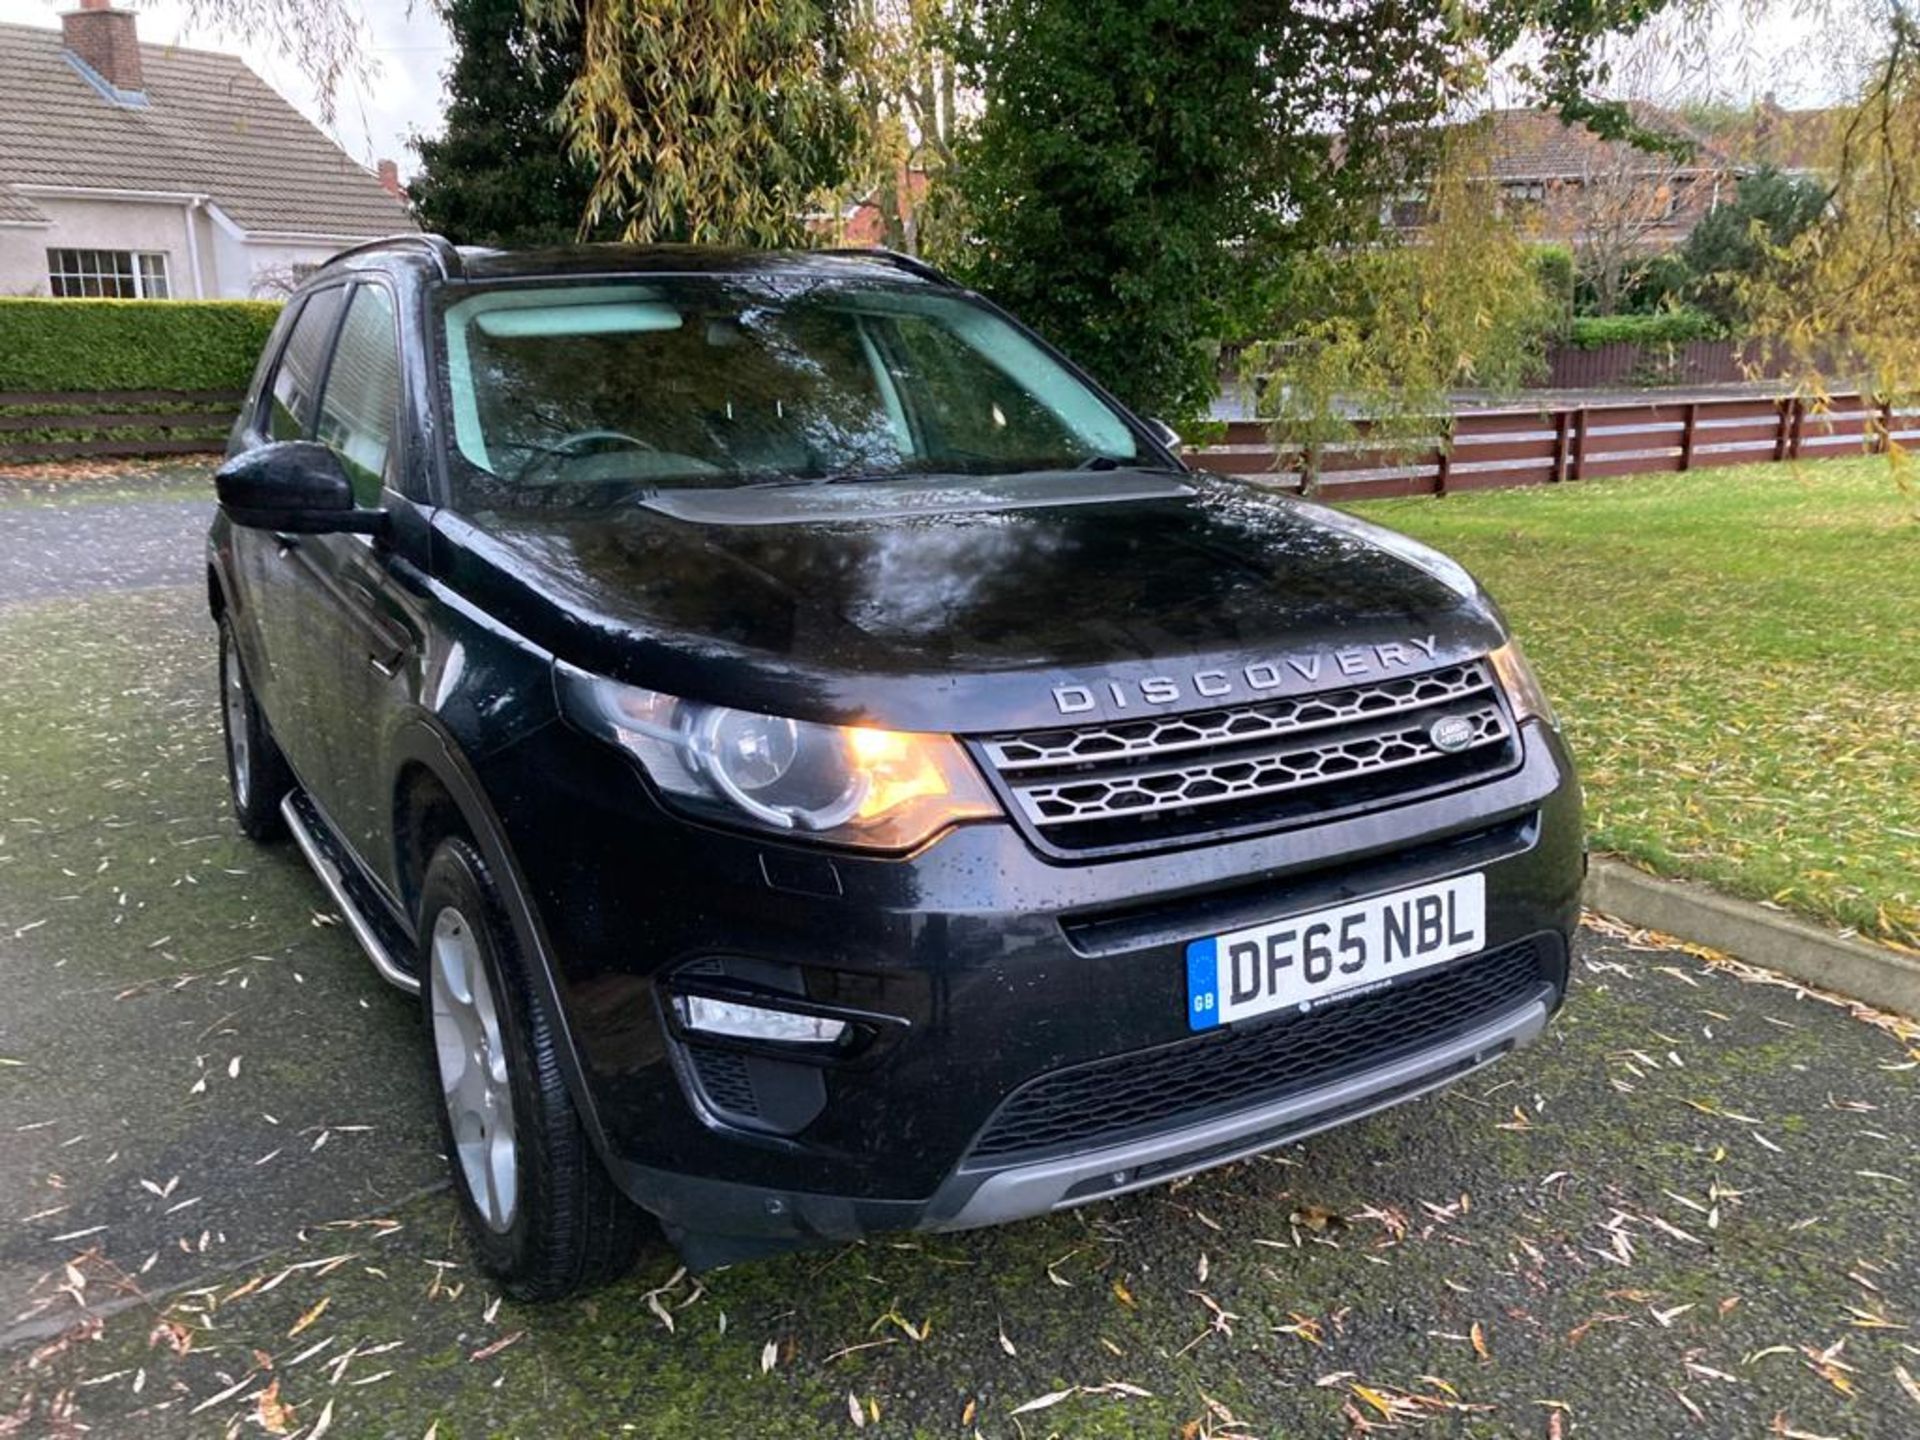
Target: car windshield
<point>573,393</point>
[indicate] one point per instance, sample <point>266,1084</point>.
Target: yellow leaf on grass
<point>1375,1399</point>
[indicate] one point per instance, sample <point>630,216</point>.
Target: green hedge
<point>1667,327</point>
<point>1553,267</point>
<point>132,344</point>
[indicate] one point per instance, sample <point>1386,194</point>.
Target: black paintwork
<point>415,666</point>
<point>294,486</point>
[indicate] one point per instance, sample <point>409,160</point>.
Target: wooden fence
<point>59,425</point>
<point>1635,363</point>
<point>1491,449</point>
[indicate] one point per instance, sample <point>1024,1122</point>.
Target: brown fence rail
<point>64,424</point>
<point>1497,449</point>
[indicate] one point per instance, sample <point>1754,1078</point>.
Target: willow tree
<point>1840,301</point>
<point>1389,330</point>
<point>710,121</point>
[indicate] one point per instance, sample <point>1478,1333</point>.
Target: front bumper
<point>994,966</point>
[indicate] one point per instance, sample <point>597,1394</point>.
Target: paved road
<point>1689,1211</point>
<point>85,546</point>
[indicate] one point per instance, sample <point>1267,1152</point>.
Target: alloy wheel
<point>239,747</point>
<point>472,1060</point>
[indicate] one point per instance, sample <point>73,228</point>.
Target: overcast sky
<point>1755,48</point>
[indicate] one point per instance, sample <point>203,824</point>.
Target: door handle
<point>389,668</point>
<point>285,544</point>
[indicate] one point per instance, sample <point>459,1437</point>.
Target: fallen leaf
<point>312,1315</point>
<point>274,1417</point>
<point>487,1352</point>
<point>1044,1402</point>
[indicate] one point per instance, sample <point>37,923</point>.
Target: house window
<point>108,275</point>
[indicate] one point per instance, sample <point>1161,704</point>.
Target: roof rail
<point>912,264</point>
<point>438,247</point>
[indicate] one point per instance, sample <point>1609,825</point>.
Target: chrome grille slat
<point>1244,775</point>
<point>1296,714</point>
<point>1289,760</point>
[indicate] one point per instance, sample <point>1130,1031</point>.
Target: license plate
<point>1304,960</point>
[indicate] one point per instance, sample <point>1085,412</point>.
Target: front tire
<point>544,1218</point>
<point>258,776</point>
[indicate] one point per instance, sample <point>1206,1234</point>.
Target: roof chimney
<point>390,180</point>
<point>106,41</point>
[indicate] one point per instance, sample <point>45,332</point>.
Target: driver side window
<point>303,365</point>
<point>359,412</point>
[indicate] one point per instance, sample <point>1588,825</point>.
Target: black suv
<point>828,767</point>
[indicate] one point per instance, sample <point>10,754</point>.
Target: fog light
<point>753,1022</point>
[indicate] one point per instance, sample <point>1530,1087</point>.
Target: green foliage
<point>1663,282</point>
<point>131,344</point>
<point>1390,331</point>
<point>710,123</point>
<point>1554,273</point>
<point>1142,173</point>
<point>1731,243</point>
<point>1665,327</point>
<point>499,172</point>
<point>1138,166</point>
<point>1553,268</point>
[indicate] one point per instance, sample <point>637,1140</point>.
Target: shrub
<point>1668,327</point>
<point>131,344</point>
<point>1553,268</point>
<point>1664,283</point>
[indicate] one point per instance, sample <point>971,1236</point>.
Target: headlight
<point>857,785</point>
<point>1524,692</point>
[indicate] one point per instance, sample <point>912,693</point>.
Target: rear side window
<point>359,412</point>
<point>303,365</point>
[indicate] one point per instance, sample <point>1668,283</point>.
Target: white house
<point>143,171</point>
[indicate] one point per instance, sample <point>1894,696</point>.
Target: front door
<point>272,599</point>
<point>361,631</point>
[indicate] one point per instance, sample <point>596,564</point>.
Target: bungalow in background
<point>139,171</point>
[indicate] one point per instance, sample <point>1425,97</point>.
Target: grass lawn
<point>1736,656</point>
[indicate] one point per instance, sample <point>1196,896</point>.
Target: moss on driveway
<point>1737,656</point>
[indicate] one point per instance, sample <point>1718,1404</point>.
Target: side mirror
<point>1163,432</point>
<point>296,486</point>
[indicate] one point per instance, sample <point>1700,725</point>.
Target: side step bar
<point>330,876</point>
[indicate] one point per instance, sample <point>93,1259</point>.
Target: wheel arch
<point>436,793</point>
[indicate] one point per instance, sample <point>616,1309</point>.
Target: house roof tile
<point>210,126</point>
<point>1536,145</point>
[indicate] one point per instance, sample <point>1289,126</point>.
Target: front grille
<point>1286,761</point>
<point>1105,1102</point>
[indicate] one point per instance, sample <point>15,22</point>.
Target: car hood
<point>972,605</point>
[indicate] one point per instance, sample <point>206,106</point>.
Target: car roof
<point>480,264</point>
